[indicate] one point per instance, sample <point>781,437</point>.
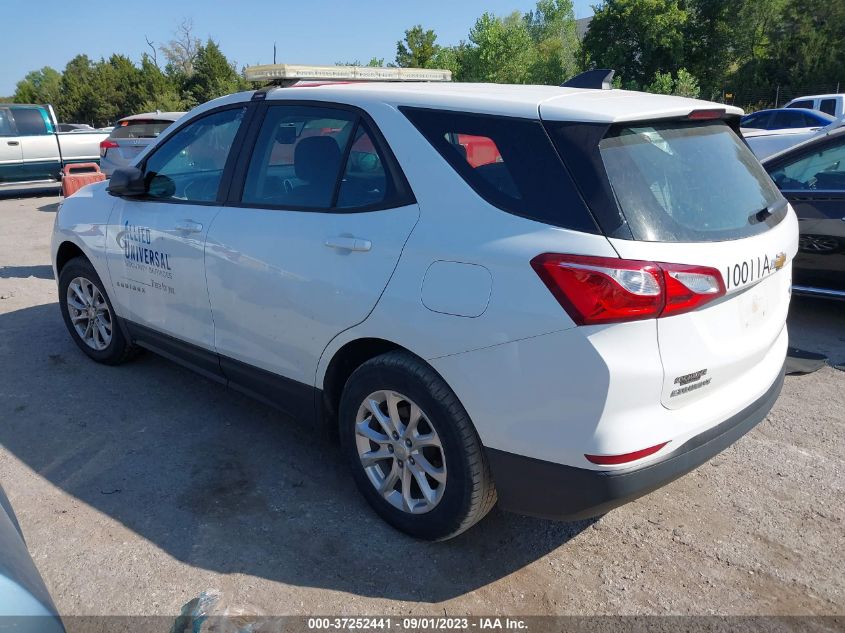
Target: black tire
<point>119,349</point>
<point>468,493</point>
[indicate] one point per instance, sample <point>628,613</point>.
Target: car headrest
<point>316,159</point>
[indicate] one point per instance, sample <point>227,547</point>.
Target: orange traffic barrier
<point>87,173</point>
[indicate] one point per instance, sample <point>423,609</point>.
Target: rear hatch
<point>133,136</point>
<point>689,191</point>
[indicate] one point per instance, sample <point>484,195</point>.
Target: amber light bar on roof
<point>289,72</point>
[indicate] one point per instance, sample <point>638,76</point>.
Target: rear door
<point>813,180</point>
<point>691,192</point>
<point>304,250</point>
<point>11,155</point>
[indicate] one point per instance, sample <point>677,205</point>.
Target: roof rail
<point>288,74</point>
<point>599,79</point>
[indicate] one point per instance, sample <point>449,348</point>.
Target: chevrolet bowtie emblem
<point>779,261</point>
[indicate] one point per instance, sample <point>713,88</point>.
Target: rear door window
<point>297,157</point>
<point>321,158</point>
<point>687,182</point>
<point>365,181</point>
<point>828,106</point>
<point>139,129</point>
<point>510,162</point>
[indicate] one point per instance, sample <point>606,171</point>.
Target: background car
<point>832,104</point>
<point>130,136</point>
<point>785,118</point>
<point>811,176</point>
<point>74,127</point>
<point>25,604</point>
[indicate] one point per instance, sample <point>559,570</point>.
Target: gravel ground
<point>139,487</point>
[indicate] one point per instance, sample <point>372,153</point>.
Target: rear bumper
<point>539,488</point>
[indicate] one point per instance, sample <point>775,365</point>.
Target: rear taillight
<point>106,145</point>
<point>610,290</point>
<point>688,287</point>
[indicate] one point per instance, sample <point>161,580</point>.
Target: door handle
<point>189,226</point>
<point>13,143</point>
<point>349,244</point>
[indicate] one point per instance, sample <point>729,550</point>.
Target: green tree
<point>76,103</point>
<point>501,50</point>
<point>686,85</point>
<point>39,86</point>
<point>661,84</point>
<point>637,38</point>
<point>683,84</point>
<point>552,28</point>
<point>158,90</point>
<point>213,75</point>
<point>709,42</point>
<point>417,49</point>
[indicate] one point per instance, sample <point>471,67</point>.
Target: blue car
<point>24,600</point>
<point>785,119</point>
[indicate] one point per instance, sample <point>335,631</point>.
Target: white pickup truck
<point>32,151</point>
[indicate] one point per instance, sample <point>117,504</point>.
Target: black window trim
<point>228,168</point>
<point>456,164</point>
<point>404,194</point>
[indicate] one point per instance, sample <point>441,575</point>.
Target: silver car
<point>130,136</point>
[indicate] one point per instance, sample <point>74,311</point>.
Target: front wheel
<point>413,450</point>
<point>89,315</point>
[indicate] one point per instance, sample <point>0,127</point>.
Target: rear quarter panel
<point>457,226</point>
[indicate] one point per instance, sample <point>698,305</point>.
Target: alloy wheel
<point>89,313</point>
<point>400,451</point>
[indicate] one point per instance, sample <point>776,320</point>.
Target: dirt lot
<point>139,487</point>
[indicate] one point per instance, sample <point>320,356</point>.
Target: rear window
<point>828,106</point>
<point>688,182</point>
<point>139,129</point>
<point>510,162</point>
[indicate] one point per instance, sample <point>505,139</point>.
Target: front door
<point>11,156</point>
<point>814,183</point>
<point>307,248</point>
<point>155,243</point>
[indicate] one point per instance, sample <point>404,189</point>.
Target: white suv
<point>561,298</point>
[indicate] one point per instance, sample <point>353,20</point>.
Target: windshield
<point>688,182</point>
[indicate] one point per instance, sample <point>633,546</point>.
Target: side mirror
<point>127,181</point>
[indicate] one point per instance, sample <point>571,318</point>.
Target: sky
<point>49,33</point>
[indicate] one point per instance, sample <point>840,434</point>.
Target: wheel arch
<point>67,251</point>
<point>345,360</point>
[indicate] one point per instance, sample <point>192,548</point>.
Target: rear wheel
<point>89,315</point>
<point>412,448</point>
